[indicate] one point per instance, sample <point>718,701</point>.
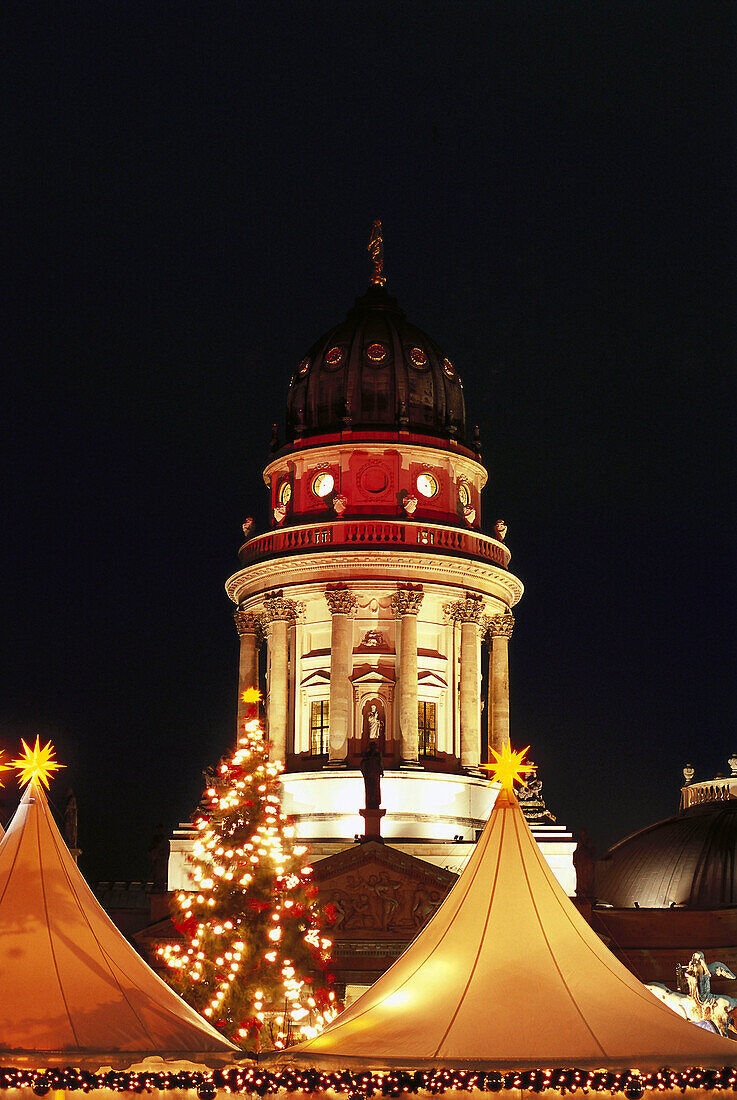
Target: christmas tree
<point>254,958</point>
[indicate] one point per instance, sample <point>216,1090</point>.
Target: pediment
<point>319,678</point>
<point>376,889</point>
<point>432,679</point>
<point>371,676</point>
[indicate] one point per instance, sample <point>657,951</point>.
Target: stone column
<point>468,612</point>
<point>280,612</point>
<point>342,604</point>
<point>250,634</point>
<point>500,631</point>
<point>406,605</point>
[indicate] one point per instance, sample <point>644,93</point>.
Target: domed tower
<point>375,587</point>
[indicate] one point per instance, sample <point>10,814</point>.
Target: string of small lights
<point>251,923</point>
<point>261,1082</point>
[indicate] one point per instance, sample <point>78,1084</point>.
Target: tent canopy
<point>69,981</point>
<point>508,974</point>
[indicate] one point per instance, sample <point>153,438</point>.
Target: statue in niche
<point>372,770</point>
<point>374,723</point>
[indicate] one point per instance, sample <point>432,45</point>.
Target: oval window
<point>427,485</point>
<point>322,484</point>
<point>464,494</point>
<point>418,357</point>
<point>376,352</point>
<point>334,357</point>
<point>303,367</point>
<point>448,368</point>
<point>285,492</point>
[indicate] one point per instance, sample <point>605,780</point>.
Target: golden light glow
<point>508,767</point>
<point>36,763</point>
<point>4,767</point>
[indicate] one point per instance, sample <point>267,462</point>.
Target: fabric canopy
<point>508,974</point>
<point>69,981</point>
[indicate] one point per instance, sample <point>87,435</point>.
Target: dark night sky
<point>189,193</point>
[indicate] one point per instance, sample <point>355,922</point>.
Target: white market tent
<point>69,982</point>
<point>508,975</point>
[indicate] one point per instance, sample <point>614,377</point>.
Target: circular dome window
<point>418,357</point>
<point>285,492</point>
<point>376,352</point>
<point>334,357</point>
<point>303,367</point>
<point>464,495</point>
<point>449,368</point>
<point>427,485</point>
<point>322,484</point>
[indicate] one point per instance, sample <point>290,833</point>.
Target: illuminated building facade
<point>375,610</point>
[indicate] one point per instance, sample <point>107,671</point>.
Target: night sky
<point>189,190</point>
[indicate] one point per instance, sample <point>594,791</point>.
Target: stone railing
<point>712,790</point>
<point>354,534</point>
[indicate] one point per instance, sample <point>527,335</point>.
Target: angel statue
<point>700,1005</point>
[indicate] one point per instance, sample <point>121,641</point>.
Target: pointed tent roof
<point>69,981</point>
<point>508,974</point>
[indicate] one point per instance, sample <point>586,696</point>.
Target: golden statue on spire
<point>376,250</point>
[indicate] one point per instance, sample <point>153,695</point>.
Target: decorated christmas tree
<point>255,956</point>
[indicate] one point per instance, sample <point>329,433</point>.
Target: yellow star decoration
<point>251,695</point>
<point>508,766</point>
<point>4,767</point>
<point>36,763</point>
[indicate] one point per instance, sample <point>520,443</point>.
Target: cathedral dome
<point>689,861</point>
<point>376,371</point>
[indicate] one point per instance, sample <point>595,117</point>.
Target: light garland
<point>257,1081</point>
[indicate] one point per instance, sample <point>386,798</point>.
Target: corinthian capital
<point>407,599</point>
<point>468,610</point>
<point>278,608</point>
<point>247,622</point>
<point>341,600</point>
<point>501,626</point>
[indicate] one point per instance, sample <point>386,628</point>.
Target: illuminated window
<point>285,492</point>
<point>319,727</point>
<point>322,484</point>
<point>464,494</point>
<point>303,367</point>
<point>427,728</point>
<point>334,357</point>
<point>376,352</point>
<point>448,368</point>
<point>418,357</point>
<point>427,485</point>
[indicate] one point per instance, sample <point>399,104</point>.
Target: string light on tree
<point>255,955</point>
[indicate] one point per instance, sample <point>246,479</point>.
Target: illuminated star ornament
<point>4,767</point>
<point>36,763</point>
<point>508,767</point>
<point>251,695</point>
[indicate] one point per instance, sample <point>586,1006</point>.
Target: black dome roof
<point>376,371</point>
<point>687,860</point>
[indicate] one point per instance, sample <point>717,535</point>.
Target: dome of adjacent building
<point>376,371</point>
<point>686,861</point>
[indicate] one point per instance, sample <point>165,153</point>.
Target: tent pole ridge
<point>480,942</point>
<point>46,914</point>
<point>567,988</point>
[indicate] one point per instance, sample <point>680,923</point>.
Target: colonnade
<point>279,613</point>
